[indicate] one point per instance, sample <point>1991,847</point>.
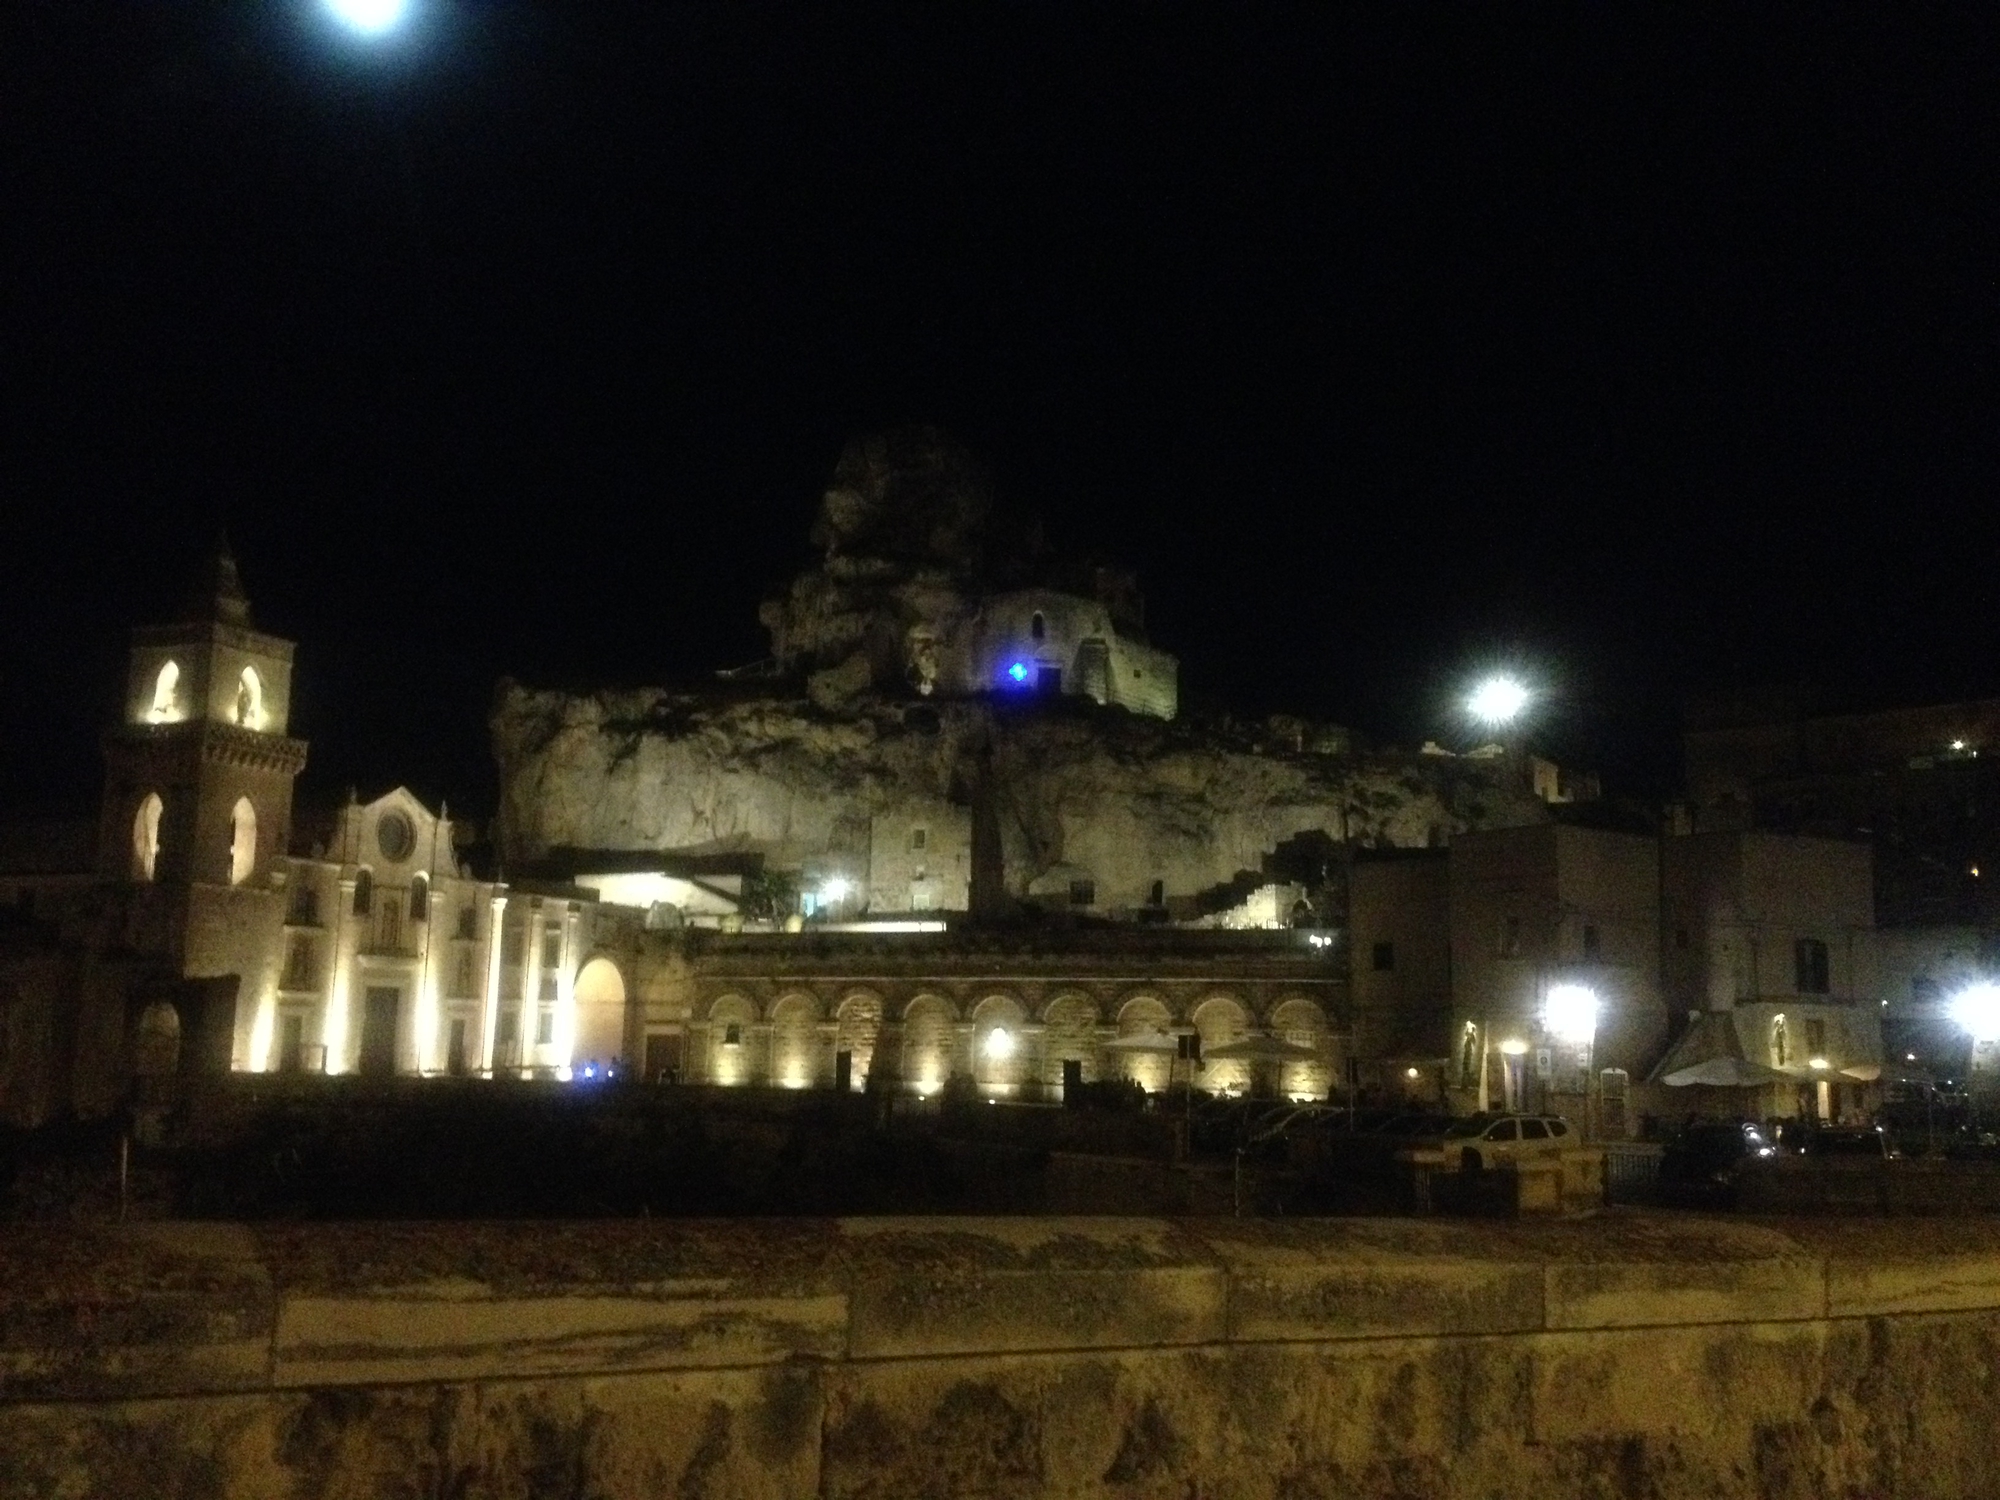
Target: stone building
<point>1771,944</point>
<point>1539,915</point>
<point>1023,1014</point>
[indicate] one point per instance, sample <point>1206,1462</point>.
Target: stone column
<point>531,983</point>
<point>566,988</point>
<point>762,1039</point>
<point>1032,1071</point>
<point>336,1018</point>
<point>489,1022</point>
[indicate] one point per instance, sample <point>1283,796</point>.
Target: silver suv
<point>1479,1141</point>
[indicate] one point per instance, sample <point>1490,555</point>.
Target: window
<point>364,893</point>
<point>1510,937</point>
<point>464,976</point>
<point>549,993</point>
<point>1590,943</point>
<point>302,965</point>
<point>1083,893</point>
<point>508,1028</point>
<point>420,899</point>
<point>1815,1037</point>
<point>1534,1130</point>
<point>146,835</point>
<point>242,841</point>
<point>1809,960</point>
<point>292,1044</point>
<point>1502,1131</point>
<point>166,694</point>
<point>1038,627</point>
<point>552,948</point>
<point>732,1036</point>
<point>468,921</point>
<point>250,699</point>
<point>305,906</point>
<point>919,838</point>
<point>1383,957</point>
<point>1558,1129</point>
<point>395,836</point>
<point>1158,895</point>
<point>545,1027</point>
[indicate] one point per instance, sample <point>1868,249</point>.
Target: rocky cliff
<point>1065,789</point>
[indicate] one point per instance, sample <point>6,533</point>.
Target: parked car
<point>1474,1142</point>
<point>1701,1164</point>
<point>1869,1141</point>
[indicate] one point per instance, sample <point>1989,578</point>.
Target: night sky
<point>1649,352</point>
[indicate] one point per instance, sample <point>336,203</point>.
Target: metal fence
<point>1631,1171</point>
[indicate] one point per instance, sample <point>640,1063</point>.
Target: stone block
<point>1634,1294</point>
<point>1934,1282</point>
<point>360,1339</point>
<point>1588,1386</point>
<point>991,1285</point>
<point>1326,1281</point>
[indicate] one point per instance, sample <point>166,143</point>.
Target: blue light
<point>1019,671</point>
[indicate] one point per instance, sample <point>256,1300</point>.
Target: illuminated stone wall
<point>915,1010</point>
<point>1030,1357</point>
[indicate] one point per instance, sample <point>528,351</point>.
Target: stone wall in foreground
<point>1622,1356</point>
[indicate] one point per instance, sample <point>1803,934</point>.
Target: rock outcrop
<point>1068,791</point>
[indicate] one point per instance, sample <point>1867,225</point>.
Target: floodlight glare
<point>1018,671</point>
<point>1497,700</point>
<point>1977,1010</point>
<point>368,17</point>
<point>999,1044</point>
<point>1570,1013</point>
<point>833,890</point>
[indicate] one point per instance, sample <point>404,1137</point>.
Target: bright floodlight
<point>833,890</point>
<point>1497,700</point>
<point>999,1044</point>
<point>1977,1010</point>
<point>369,17</point>
<point>1570,1013</point>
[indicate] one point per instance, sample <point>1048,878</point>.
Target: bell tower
<point>198,781</point>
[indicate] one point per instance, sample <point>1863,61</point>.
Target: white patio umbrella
<point>1260,1049</point>
<point>1727,1073</point>
<point>1143,1041</point>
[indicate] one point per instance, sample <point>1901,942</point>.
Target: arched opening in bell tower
<point>166,694</point>
<point>146,836</point>
<point>242,841</point>
<point>250,699</point>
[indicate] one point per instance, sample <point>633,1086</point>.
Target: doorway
<point>663,1057</point>
<point>454,1052</point>
<point>378,1032</point>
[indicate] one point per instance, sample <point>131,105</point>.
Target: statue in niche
<point>921,653</point>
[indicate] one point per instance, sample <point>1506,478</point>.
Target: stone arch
<point>795,1040</point>
<point>857,1026</point>
<point>1069,1034</point>
<point>1000,1050</point>
<point>249,707</point>
<point>1222,1019</point>
<point>929,1027</point>
<point>242,841</point>
<point>1302,1022</point>
<point>599,1029</point>
<point>146,835</point>
<point>166,693</point>
<point>731,1040</point>
<point>1141,1015</point>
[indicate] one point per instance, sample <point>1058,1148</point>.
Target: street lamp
<point>1497,701</point>
<point>368,17</point>
<point>1976,1009</point>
